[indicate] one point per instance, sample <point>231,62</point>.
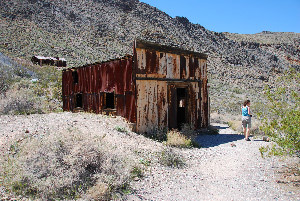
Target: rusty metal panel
<point>184,67</point>
<point>64,83</point>
<point>197,69</point>
<point>162,104</point>
<point>103,77</point>
<point>120,105</point>
<point>94,78</point>
<point>203,68</point>
<point>110,76</point>
<point>141,60</point>
<point>119,77</point>
<point>193,106</point>
<point>130,106</point>
<point>162,66</point>
<point>172,106</point>
<point>151,62</point>
<point>128,75</point>
<point>191,67</point>
<point>204,103</point>
<point>146,105</point>
<point>173,66</point>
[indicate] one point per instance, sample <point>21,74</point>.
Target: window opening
<point>79,100</point>
<point>75,77</point>
<point>110,100</point>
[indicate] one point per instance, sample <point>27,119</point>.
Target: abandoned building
<point>158,87</point>
<point>50,61</point>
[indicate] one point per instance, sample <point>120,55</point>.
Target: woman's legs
<point>248,133</point>
<point>245,132</point>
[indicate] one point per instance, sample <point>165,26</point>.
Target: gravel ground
<point>226,168</point>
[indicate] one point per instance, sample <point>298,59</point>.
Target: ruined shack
<point>158,87</point>
<point>49,61</point>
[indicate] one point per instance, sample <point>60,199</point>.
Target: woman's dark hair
<point>246,102</point>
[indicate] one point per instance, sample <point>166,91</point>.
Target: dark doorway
<point>79,100</point>
<point>181,107</point>
<point>110,101</point>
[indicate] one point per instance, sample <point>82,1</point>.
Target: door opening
<point>181,107</point>
<point>79,100</point>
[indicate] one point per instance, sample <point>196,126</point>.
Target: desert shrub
<point>26,97</point>
<point>158,134</point>
<point>281,120</point>
<point>177,139</point>
<point>168,157</point>
<point>121,129</point>
<point>6,79</point>
<point>185,138</point>
<point>64,166</point>
<point>20,99</point>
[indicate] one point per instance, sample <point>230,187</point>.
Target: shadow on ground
<point>207,141</point>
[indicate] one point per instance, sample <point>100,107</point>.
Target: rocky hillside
<point>93,30</point>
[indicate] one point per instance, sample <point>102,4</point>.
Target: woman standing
<point>246,119</point>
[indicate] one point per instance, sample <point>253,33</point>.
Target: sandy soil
<point>226,167</point>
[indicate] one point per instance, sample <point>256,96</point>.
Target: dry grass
<point>23,96</point>
<point>168,157</point>
<point>183,138</point>
<point>177,139</point>
<point>64,165</point>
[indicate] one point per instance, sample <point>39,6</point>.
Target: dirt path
<point>226,168</point>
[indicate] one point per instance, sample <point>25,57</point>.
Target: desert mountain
<point>87,31</point>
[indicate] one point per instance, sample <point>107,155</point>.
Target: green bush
<point>281,120</point>
<point>120,129</point>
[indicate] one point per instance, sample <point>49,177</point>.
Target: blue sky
<point>236,16</point>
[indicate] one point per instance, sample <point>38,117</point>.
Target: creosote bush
<point>66,165</point>
<point>169,158</point>
<point>281,117</point>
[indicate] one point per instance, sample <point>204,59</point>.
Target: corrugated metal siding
<point>146,89</point>
<point>96,79</point>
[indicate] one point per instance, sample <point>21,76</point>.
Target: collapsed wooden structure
<point>50,61</point>
<point>158,87</point>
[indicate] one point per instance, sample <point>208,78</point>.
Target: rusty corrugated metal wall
<point>160,71</point>
<point>148,87</point>
<point>95,80</point>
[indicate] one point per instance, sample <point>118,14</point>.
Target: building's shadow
<point>207,141</point>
